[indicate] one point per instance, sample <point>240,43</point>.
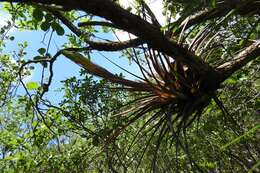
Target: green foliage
<point>32,85</point>
<point>38,14</point>
<point>56,27</point>
<point>42,51</point>
<point>250,134</point>
<point>81,132</point>
<point>45,25</point>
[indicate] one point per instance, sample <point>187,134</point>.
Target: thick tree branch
<point>243,7</point>
<point>67,22</point>
<point>240,60</point>
<point>132,24</point>
<point>97,23</point>
<point>101,46</point>
<point>114,46</point>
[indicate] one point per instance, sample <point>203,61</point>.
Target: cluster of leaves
<point>10,66</point>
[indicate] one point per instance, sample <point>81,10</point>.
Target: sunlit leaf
<point>42,51</point>
<point>32,85</point>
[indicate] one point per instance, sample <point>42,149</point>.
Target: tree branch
<point>114,46</point>
<point>240,60</point>
<point>132,24</point>
<point>97,23</point>
<point>66,22</point>
<point>101,46</point>
<point>243,7</point>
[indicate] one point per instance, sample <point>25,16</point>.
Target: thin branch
<point>101,46</point>
<point>66,22</point>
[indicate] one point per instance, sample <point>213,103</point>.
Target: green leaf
<point>231,80</point>
<point>13,142</point>
<point>11,38</point>
<point>37,14</point>
<point>35,123</point>
<point>32,85</point>
<point>2,31</point>
<point>45,26</point>
<point>42,51</point>
<point>59,30</point>
<point>44,64</point>
<point>257,84</point>
<point>213,3</point>
<point>48,17</point>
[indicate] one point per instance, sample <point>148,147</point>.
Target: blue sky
<point>63,68</point>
